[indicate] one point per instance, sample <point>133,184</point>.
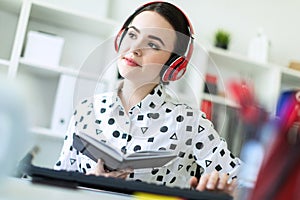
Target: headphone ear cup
<point>176,68</point>
<point>118,39</point>
<point>168,68</point>
<point>179,71</point>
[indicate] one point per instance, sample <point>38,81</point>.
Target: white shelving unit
<point>9,16</point>
<point>228,66</point>
<point>268,79</point>
<point>83,31</point>
<point>290,79</point>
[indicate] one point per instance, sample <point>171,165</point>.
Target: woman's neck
<point>131,94</point>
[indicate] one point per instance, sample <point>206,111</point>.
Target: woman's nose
<point>137,47</point>
<point>137,51</point>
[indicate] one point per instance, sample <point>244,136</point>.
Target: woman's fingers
<point>193,182</point>
<point>230,187</point>
<point>214,182</point>
<point>222,183</point>
<point>203,182</point>
<point>100,170</point>
<point>120,174</point>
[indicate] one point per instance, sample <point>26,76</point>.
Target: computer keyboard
<point>76,180</point>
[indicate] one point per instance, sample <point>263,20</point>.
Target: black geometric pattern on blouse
<point>172,146</point>
<point>168,110</point>
<point>199,145</point>
<point>179,167</point>
<point>189,114</point>
<point>154,171</point>
<point>152,105</point>
<point>144,129</point>
<point>232,156</point>
<point>181,154</point>
<point>207,163</point>
<point>84,101</point>
<point>200,129</point>
<point>179,118</point>
<point>58,163</point>
<point>159,178</point>
<point>111,105</point>
<point>188,167</point>
<point>121,113</point>
<point>153,115</point>
<point>173,137</point>
<point>211,137</point>
<point>81,119</point>
<point>72,161</point>
<point>140,117</point>
<point>214,149</point>
<point>163,129</point>
<point>124,136</point>
<point>159,93</point>
<point>218,168</point>
<point>139,105</point>
<point>98,131</point>
<point>102,110</point>
<point>232,164</point>
<point>123,149</point>
<point>188,142</point>
<point>189,128</point>
<point>222,152</point>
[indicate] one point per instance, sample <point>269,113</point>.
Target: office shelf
<point>46,132</point>
<point>220,100</point>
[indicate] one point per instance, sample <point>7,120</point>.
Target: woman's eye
<point>154,46</point>
<point>132,35</point>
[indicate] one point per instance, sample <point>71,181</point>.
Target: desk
<point>14,188</point>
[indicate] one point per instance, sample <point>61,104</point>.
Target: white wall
<point>278,18</point>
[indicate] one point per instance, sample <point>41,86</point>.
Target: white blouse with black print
<point>155,123</point>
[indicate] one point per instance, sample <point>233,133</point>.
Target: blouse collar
<point>151,102</point>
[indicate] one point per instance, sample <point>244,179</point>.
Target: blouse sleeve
<point>211,152</point>
<point>68,156</point>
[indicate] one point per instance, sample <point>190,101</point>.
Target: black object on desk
<point>72,179</point>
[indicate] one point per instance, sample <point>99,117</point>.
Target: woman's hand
<point>214,182</point>
<point>100,170</point>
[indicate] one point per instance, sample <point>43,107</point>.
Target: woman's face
<point>146,47</point>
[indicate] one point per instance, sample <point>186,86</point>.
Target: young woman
<point>154,46</point>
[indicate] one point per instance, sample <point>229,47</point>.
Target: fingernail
<point>220,186</point>
<point>209,186</point>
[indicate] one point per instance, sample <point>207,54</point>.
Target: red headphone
<point>175,67</point>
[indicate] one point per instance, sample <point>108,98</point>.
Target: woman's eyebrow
<point>133,27</point>
<point>150,36</point>
<point>156,38</point>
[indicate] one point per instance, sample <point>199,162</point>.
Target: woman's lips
<point>131,62</point>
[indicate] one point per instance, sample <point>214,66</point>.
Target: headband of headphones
<point>176,65</point>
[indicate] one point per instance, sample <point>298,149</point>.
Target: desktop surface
<point>15,188</point>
